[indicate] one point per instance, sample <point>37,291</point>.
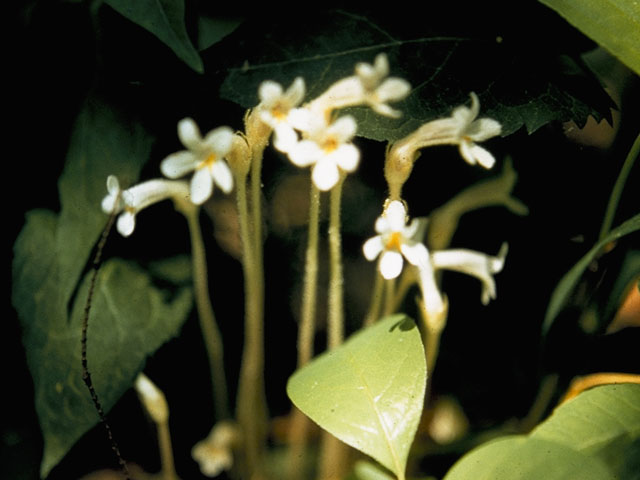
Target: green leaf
<point>585,438</point>
<point>213,29</point>
<point>614,24</point>
<point>130,317</point>
<point>569,281</point>
<point>165,20</point>
<point>368,471</point>
<point>517,458</point>
<point>369,392</point>
<point>600,423</point>
<point>514,86</point>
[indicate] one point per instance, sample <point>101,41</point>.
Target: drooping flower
<point>476,264</point>
<point>127,203</point>
<point>205,156</point>
<point>275,109</point>
<point>329,149</point>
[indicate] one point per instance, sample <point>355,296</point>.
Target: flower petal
<point>178,164</point>
<point>269,92</point>
<point>189,133</point>
<point>201,186</point>
<point>482,156</point>
<point>284,138</point>
<point>466,151</point>
<point>113,186</point>
<point>390,264</point>
<point>222,175</point>
<point>347,157</point>
<point>343,129</point>
<point>219,140</point>
<point>126,223</point>
<point>483,129</point>
<point>325,174</point>
<point>393,89</point>
<point>305,153</point>
<point>295,93</point>
<point>373,247</point>
<point>417,254</point>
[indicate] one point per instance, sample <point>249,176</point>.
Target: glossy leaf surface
<point>369,392</point>
<point>592,436</point>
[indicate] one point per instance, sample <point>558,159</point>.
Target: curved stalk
<point>208,325</point>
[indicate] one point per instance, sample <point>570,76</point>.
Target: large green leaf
<point>569,281</point>
<point>369,392</point>
<point>516,84</point>
<point>164,19</point>
<point>600,423</point>
<point>614,24</point>
<point>130,317</point>
<point>589,437</point>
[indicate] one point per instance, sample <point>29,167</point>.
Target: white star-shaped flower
<point>469,130</point>
<point>329,149</point>
<point>396,240</point>
<point>369,86</point>
<point>129,202</point>
<point>378,89</point>
<point>205,156</point>
<point>276,108</point>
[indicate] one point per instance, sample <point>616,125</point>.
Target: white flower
<point>473,263</point>
<point>205,156</point>
<point>328,149</point>
<point>214,453</point>
<point>129,202</point>
<point>469,130</point>
<point>380,90</point>
<point>276,107</point>
<point>369,86</point>
<point>396,239</point>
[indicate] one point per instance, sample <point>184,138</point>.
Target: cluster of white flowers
<point>397,239</point>
<point>310,135</point>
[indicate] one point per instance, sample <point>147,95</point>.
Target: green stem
<point>616,193</point>
<point>251,401</point>
<point>335,454</point>
<point>299,428</point>
<point>307,321</point>
<point>208,324</point>
<point>166,452</point>
<point>336,279</point>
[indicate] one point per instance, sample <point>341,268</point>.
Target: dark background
<point>492,358</point>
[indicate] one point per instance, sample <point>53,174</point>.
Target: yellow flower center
<point>279,112</point>
<point>330,145</point>
<point>395,241</point>
<point>209,161</point>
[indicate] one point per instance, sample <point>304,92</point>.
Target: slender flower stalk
<point>299,428</point>
<point>208,324</point>
<point>336,279</point>
<point>251,401</point>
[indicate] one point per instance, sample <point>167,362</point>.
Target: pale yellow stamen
<point>330,145</point>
